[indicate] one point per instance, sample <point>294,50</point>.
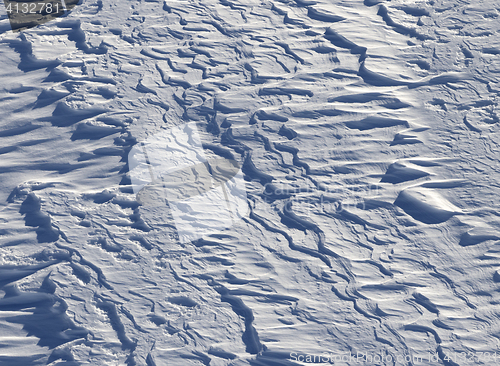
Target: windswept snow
<point>367,133</point>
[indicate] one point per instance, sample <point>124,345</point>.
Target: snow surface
<point>368,136</point>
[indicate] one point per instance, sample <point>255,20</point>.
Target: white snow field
<point>368,138</point>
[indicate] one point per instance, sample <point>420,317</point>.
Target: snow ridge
<point>367,135</point>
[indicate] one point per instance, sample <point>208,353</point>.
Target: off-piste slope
<point>366,131</point>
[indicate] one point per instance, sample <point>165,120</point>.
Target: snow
<point>338,192</point>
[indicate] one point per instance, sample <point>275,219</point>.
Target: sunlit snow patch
<point>205,196</point>
<point>425,205</point>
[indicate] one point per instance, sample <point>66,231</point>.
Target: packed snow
<point>337,201</point>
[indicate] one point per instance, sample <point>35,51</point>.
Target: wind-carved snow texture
<point>368,136</point>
